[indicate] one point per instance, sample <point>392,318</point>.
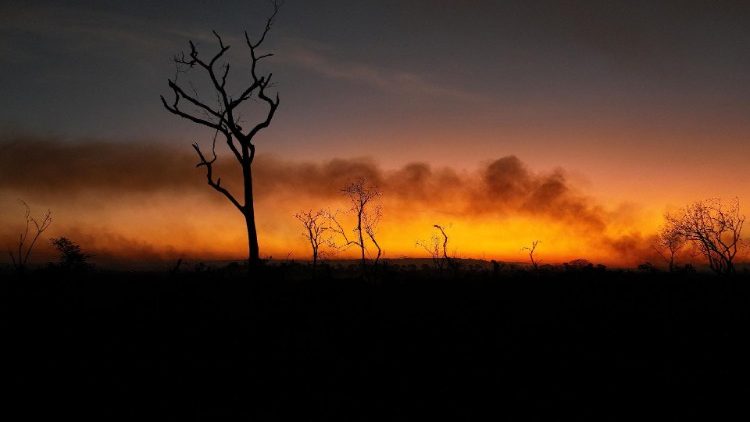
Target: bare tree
<point>715,228</point>
<point>20,258</point>
<point>432,247</point>
<point>224,118</point>
<point>315,226</point>
<point>531,250</point>
<point>669,241</point>
<point>361,195</point>
<point>437,247</point>
<point>445,242</point>
<point>370,222</point>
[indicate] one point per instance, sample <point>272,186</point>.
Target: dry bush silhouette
<point>669,241</point>
<point>714,227</point>
<point>432,247</point>
<point>370,222</point>
<point>579,264</point>
<point>224,117</point>
<point>71,255</point>
<point>531,250</point>
<point>20,257</point>
<point>437,247</point>
<point>445,242</point>
<point>362,197</point>
<point>315,231</point>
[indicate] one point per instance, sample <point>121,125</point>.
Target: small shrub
<point>71,255</point>
<point>648,267</point>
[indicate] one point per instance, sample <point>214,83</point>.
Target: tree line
<point>711,227</point>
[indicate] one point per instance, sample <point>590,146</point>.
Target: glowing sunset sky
<point>629,108</point>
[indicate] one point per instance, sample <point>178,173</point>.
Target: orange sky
<point>148,202</point>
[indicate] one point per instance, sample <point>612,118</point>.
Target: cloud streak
<point>317,58</point>
<point>64,170</point>
<point>503,186</point>
<point>152,185</point>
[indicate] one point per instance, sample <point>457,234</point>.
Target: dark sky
<point>598,87</point>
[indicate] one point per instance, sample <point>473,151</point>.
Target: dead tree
<point>715,228</point>
<point>361,196</point>
<point>669,241</point>
<point>314,232</point>
<point>531,250</point>
<point>445,243</point>
<point>433,248</point>
<point>224,118</point>
<point>20,258</point>
<point>370,222</point>
<point>438,248</point>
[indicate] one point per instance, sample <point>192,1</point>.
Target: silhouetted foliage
<point>648,267</point>
<point>437,247</point>
<point>20,257</point>
<point>71,255</point>
<point>687,269</point>
<point>432,247</point>
<point>315,229</point>
<point>370,222</point>
<point>578,265</point>
<point>445,241</point>
<point>497,266</point>
<point>361,195</point>
<point>224,118</point>
<point>209,346</point>
<point>176,268</point>
<point>715,228</point>
<point>531,250</point>
<point>669,241</point>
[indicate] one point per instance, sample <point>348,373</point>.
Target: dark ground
<point>402,345</point>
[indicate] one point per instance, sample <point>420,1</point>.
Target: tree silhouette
<point>438,248</point>
<point>531,250</point>
<point>361,196</point>
<point>315,226</point>
<point>445,243</point>
<point>20,258</point>
<point>71,256</point>
<point>669,241</point>
<point>224,118</point>
<point>370,222</point>
<point>433,248</point>
<point>715,228</point>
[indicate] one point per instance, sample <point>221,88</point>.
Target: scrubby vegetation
<point>404,342</point>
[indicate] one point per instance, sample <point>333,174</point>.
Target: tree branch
<point>174,109</point>
<point>216,184</point>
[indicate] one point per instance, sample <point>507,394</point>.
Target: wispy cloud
<point>84,183</point>
<point>50,167</point>
<point>92,31</point>
<point>320,59</point>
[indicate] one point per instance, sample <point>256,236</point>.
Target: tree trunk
<point>730,266</point>
<point>375,242</point>
<point>253,256</point>
<point>314,245</point>
<point>671,263</point>
<point>361,239</point>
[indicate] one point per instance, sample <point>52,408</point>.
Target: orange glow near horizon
<point>216,232</point>
<point>164,210</point>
